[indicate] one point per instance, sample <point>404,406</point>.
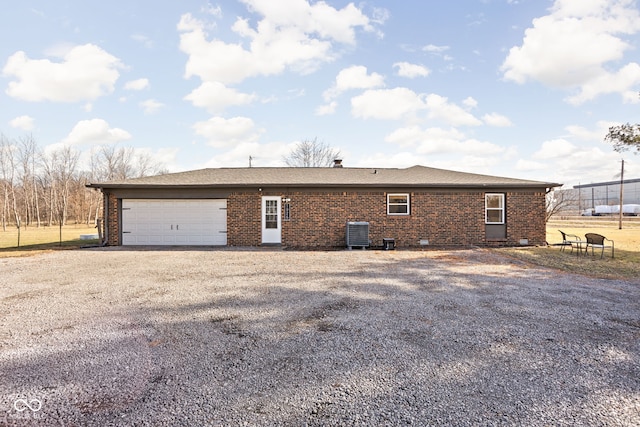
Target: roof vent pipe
<point>337,163</point>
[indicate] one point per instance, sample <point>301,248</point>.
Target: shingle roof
<point>415,176</point>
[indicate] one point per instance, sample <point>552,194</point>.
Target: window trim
<point>407,204</point>
<point>501,209</point>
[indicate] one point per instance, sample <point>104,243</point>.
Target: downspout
<point>105,238</point>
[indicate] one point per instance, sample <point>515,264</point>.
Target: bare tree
<point>559,201</point>
<point>94,196</point>
<point>27,157</point>
<point>311,154</point>
<point>113,163</point>
<point>60,167</point>
<point>146,165</point>
<point>37,185</point>
<point>5,170</point>
<point>9,167</point>
<point>118,163</point>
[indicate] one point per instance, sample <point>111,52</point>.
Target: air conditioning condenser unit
<point>357,234</point>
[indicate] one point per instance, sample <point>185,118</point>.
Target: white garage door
<point>174,222</point>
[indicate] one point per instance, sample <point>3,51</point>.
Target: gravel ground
<point>111,337</point>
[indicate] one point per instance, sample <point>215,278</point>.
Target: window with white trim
<point>494,208</point>
<point>398,204</point>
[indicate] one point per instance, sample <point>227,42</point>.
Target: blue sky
<point>519,88</point>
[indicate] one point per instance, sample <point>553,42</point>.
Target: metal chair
<point>568,240</point>
<point>598,241</point>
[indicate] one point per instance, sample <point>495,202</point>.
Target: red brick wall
<point>110,212</point>
<point>526,217</point>
<point>318,218</point>
<point>244,224</point>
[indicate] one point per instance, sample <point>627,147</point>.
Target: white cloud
<point>431,48</point>
<point>22,122</point>
<point>215,97</point>
<point>85,73</point>
<point>215,11</point>
<point>530,165</point>
<point>476,163</point>
<point>441,109</point>
<point>151,106</point>
<point>451,161</point>
<point>593,164</point>
<point>597,134</point>
<point>221,132</point>
<point>167,156</point>
<point>318,17</point>
<point>414,135</point>
<point>570,164</point>
<point>143,40</point>
<point>59,50</point>
<point>576,46</point>
<point>555,149</point>
<point>404,104</point>
<point>386,104</point>
<point>95,131</point>
<point>470,102</point>
<point>354,77</point>
<point>138,84</point>
<point>620,82</point>
<point>380,15</point>
<point>293,35</point>
<point>406,69</point>
<point>439,141</point>
<point>497,120</point>
<point>327,109</point>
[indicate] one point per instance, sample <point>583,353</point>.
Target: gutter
<point>327,185</point>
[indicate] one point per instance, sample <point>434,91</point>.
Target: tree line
<point>48,187</point>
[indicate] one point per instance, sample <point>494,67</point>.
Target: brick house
<point>311,208</point>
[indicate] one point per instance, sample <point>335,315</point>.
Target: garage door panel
<point>174,222</point>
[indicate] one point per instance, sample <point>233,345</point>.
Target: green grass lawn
<point>34,239</point>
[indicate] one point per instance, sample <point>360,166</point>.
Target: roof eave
<point>327,185</point>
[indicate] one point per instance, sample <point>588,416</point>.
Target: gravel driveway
<point>110,337</point>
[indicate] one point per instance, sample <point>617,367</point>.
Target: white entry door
<point>271,220</point>
<point>174,222</point>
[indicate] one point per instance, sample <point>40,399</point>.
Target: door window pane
<point>271,214</point>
